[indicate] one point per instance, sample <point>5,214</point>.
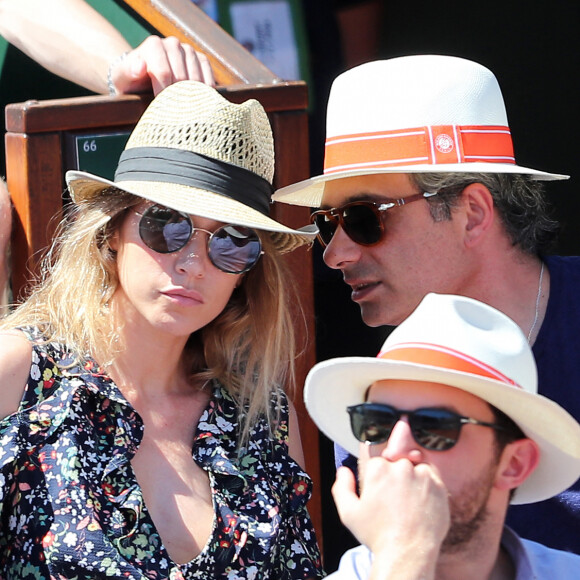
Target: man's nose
<point>401,444</point>
<point>341,250</point>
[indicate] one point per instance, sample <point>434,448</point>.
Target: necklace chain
<point>537,304</point>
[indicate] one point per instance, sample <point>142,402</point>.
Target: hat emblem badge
<point>444,143</point>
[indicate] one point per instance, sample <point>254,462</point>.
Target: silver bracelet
<point>110,84</point>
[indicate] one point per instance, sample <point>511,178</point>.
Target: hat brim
<point>333,385</point>
<point>310,192</point>
<point>195,201</point>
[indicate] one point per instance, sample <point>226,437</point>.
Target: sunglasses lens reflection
<point>361,224</point>
<point>326,227</point>
<point>372,426</point>
<point>165,230</point>
<point>234,249</point>
<point>435,429</point>
<point>360,221</point>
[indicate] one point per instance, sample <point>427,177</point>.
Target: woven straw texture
<point>204,122</point>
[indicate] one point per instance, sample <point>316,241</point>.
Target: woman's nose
<point>193,257</point>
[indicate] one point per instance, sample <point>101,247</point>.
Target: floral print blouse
<point>71,508</point>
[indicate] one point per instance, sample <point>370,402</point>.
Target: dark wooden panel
<point>292,164</point>
<point>35,183</point>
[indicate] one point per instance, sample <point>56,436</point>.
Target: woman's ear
<point>479,212</point>
<point>517,462</point>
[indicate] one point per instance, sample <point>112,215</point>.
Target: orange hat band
<point>433,145</point>
<point>443,358</point>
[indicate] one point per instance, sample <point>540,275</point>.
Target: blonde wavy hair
<point>250,347</point>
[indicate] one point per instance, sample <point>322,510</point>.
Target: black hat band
<point>170,165</point>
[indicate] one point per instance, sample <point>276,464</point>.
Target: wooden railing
<point>42,137</point>
<point>231,62</point>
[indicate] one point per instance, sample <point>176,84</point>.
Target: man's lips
<point>360,289</point>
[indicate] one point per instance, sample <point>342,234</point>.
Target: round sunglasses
<point>432,428</point>
<point>231,248</point>
<point>361,220</point>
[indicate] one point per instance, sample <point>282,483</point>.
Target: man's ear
<point>518,460</point>
<point>113,241</point>
<point>479,212</point>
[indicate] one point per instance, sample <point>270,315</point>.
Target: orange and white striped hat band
<point>443,358</point>
<point>434,145</point>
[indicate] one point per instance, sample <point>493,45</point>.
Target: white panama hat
<point>194,151</point>
<point>423,113</point>
<point>463,343</point>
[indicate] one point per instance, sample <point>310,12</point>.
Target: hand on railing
<point>155,64</point>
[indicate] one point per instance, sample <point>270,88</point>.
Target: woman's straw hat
<point>196,152</point>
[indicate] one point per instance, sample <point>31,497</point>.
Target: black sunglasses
<point>433,429</point>
<point>232,249</point>
<point>361,220</point>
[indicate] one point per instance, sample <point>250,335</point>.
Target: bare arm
<point>67,37</point>
<point>15,360</point>
<point>402,516</point>
<point>5,231</point>
<point>294,442</point>
<point>72,40</point>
